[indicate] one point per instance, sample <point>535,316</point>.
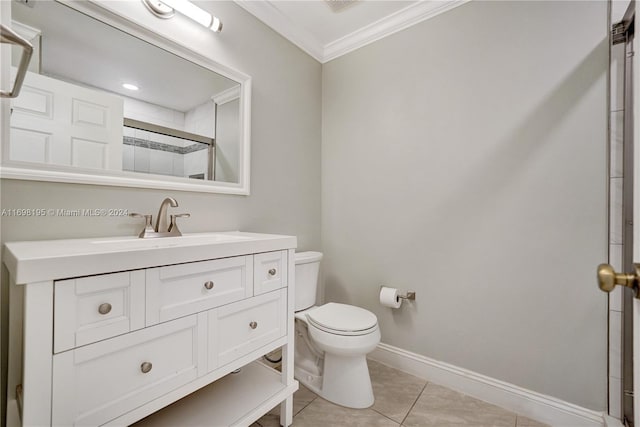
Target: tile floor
<point>401,400</point>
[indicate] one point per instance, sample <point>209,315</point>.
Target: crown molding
<point>388,25</point>
<point>268,13</point>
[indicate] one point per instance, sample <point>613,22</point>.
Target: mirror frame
<point>102,11</point>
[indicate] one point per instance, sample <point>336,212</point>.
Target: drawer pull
<point>208,285</point>
<point>146,367</point>
<point>253,325</point>
<point>272,272</point>
<point>104,308</point>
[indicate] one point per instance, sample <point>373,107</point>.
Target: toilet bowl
<point>332,341</point>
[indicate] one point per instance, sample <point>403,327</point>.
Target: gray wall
<point>465,158</point>
<point>285,152</point>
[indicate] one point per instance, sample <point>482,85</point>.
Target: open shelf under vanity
<point>257,386</point>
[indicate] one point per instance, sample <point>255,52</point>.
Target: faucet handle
<point>148,227</point>
<point>173,226</point>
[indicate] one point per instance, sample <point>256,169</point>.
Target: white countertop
<point>37,261</point>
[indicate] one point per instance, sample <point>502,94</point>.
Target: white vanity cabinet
<point>116,334</point>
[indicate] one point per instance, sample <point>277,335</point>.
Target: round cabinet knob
<point>272,272</point>
<point>104,308</point>
<point>208,285</point>
<point>146,367</point>
<point>253,325</point>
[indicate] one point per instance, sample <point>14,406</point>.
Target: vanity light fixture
<point>165,9</point>
<point>130,86</point>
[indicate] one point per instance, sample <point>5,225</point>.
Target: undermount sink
<point>164,242</point>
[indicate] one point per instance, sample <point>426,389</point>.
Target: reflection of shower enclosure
<point>150,148</point>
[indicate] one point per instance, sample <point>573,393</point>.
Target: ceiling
<point>80,49</point>
<point>322,29</point>
<point>327,29</point>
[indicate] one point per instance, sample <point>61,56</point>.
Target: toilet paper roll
<point>389,297</point>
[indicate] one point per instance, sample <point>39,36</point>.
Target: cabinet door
<point>99,382</point>
<point>237,329</point>
<point>180,290</point>
<point>269,271</point>
<point>90,309</point>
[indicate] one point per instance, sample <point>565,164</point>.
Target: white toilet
<point>332,341</point>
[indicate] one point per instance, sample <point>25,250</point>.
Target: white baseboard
<point>531,404</point>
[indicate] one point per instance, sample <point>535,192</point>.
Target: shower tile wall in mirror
<point>149,152</point>
<point>90,78</point>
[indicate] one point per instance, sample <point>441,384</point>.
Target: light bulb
<point>201,16</point>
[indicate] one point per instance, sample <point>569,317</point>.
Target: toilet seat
<point>342,319</point>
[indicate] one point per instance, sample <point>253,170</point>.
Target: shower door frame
<point>628,413</point>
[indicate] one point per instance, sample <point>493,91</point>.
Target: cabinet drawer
<point>269,271</point>
<point>179,290</point>
<point>97,383</point>
<point>237,329</point>
<point>91,309</point>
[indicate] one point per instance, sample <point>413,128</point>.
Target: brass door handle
<point>608,278</point>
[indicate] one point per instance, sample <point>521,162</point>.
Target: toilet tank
<point>307,267</point>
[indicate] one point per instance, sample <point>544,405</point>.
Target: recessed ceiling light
<point>130,86</point>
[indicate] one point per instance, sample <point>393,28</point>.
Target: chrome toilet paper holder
<point>410,295</point>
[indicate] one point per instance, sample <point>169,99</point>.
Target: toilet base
<point>345,381</point>
<point>310,381</point>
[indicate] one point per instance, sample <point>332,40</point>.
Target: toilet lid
<point>342,317</point>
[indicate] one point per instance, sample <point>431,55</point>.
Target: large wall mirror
<point>104,103</point>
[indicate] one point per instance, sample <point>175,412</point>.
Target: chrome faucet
<point>161,228</point>
<point>161,220</point>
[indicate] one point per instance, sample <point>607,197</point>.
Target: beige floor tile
<point>394,391</point>
<point>301,399</point>
<point>395,394</point>
<point>321,413</point>
<point>528,422</point>
<point>269,420</point>
<point>439,406</point>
